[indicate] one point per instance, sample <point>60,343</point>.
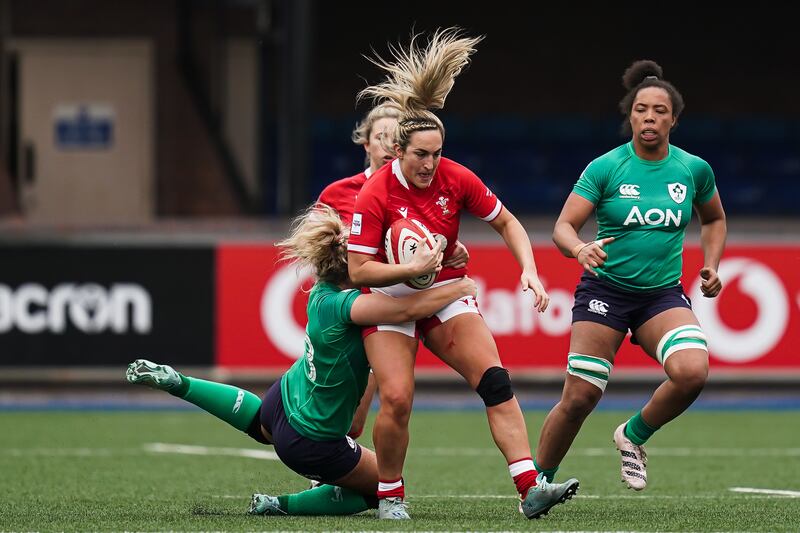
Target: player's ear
<point>399,152</point>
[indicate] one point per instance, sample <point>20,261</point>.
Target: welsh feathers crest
<point>677,191</point>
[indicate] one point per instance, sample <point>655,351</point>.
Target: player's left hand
<point>459,258</point>
<point>531,281</point>
<point>710,284</point>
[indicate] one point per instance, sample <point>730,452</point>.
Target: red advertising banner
<point>754,324</point>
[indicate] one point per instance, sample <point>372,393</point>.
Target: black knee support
<point>495,386</point>
<point>254,429</point>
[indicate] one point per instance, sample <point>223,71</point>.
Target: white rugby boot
<point>634,460</point>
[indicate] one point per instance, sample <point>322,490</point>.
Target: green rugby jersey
<point>646,206</point>
<point>322,390</point>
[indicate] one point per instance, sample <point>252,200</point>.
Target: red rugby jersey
<point>341,194</point>
<point>388,196</point>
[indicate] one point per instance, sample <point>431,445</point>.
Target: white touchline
<point>602,452</point>
<point>788,493</point>
<point>160,447</point>
<point>585,496</point>
<point>78,452</point>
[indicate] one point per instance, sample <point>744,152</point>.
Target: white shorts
<point>423,326</point>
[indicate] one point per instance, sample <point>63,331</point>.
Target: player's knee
<point>577,404</point>
<point>396,401</point>
<point>689,376</point>
<point>684,353</point>
<point>494,387</point>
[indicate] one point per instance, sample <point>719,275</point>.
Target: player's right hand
<point>592,255</point>
<point>427,260</point>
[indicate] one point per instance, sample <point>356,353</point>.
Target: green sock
<point>235,406</point>
<point>549,473</point>
<point>637,430</point>
<point>323,500</point>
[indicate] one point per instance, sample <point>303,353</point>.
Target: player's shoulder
<point>323,309</point>
<point>455,168</point>
<point>454,175</point>
<point>693,162</point>
<point>322,292</point>
<point>344,183</point>
<point>379,182</point>
<point>606,164</point>
<point>615,156</point>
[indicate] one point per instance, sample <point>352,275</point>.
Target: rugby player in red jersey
<point>422,185</point>
<point>375,133</point>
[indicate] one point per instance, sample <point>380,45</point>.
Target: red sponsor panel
<point>753,325</point>
<point>261,310</point>
<point>755,321</point>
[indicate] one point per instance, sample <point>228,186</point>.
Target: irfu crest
<point>677,191</point>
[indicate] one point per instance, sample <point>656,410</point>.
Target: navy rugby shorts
<point>601,302</point>
<point>325,461</point>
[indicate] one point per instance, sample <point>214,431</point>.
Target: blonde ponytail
<point>420,78</point>
<point>318,238</point>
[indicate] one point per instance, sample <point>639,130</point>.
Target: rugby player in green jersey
<point>307,413</point>
<point>643,194</point>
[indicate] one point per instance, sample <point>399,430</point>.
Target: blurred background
<point>151,152</point>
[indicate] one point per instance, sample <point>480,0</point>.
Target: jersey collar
<point>368,172</point>
<point>399,173</point>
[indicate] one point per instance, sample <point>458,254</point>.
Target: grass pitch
<point>120,471</point>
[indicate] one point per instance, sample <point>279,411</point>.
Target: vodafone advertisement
<point>752,326</point>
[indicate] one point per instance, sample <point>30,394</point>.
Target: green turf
<point>89,471</point>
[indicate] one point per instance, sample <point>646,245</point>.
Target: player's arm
<point>370,309</point>
<point>366,271</point>
<point>574,214</point>
<point>517,240</point>
<point>360,416</point>
<point>713,232</point>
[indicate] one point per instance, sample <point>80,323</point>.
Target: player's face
<point>421,157</point>
<point>382,130</point>
<point>651,118</point>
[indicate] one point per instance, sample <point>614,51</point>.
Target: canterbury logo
<point>629,191</point>
<point>239,400</point>
<point>599,307</point>
<point>403,211</point>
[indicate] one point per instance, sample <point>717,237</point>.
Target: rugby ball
<point>403,239</point>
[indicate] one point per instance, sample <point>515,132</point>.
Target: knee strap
<point>685,337</point>
<point>595,370</point>
<point>495,386</point>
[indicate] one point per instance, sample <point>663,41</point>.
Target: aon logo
<point>653,217</point>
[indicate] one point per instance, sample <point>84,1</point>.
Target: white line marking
<point>63,452</point>
<point>589,496</point>
<point>160,447</point>
<point>788,493</point>
<point>610,451</point>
